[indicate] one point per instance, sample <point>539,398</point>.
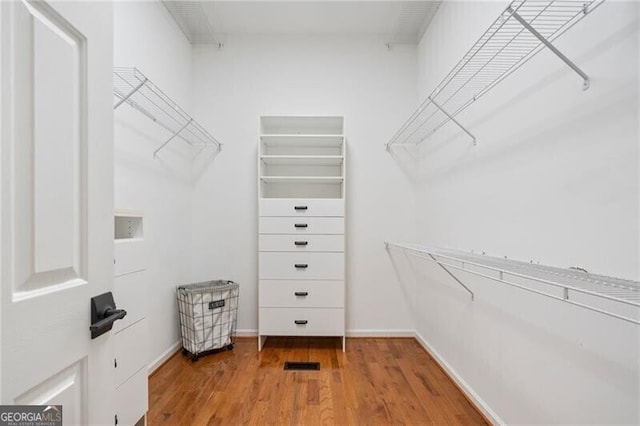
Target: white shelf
<point>134,88</point>
<point>302,139</point>
<point>301,157</point>
<point>128,225</point>
<point>297,160</point>
<point>301,125</point>
<point>128,240</point>
<point>302,179</point>
<point>615,297</point>
<point>522,30</point>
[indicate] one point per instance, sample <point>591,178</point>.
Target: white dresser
<point>301,169</point>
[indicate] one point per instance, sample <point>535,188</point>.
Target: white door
<point>56,222</point>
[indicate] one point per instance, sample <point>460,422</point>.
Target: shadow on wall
<point>459,153</point>
<point>539,136</point>
<point>407,159</point>
<point>178,160</point>
<point>403,268</point>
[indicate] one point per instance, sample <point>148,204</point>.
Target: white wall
<point>554,179</point>
<point>147,37</point>
<point>374,88</point>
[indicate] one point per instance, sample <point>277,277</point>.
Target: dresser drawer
<point>130,291</point>
<point>130,350</point>
<point>301,225</point>
<point>301,294</point>
<point>129,256</point>
<point>132,398</point>
<point>297,243</point>
<point>301,322</point>
<point>301,207</point>
<point>302,266</point>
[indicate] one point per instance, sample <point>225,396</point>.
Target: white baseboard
<point>462,385</point>
<point>153,365</point>
<point>249,332</point>
<point>381,333</point>
<point>350,333</point>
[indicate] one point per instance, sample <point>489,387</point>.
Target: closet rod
<point>572,281</point>
<point>132,87</point>
<point>521,31</point>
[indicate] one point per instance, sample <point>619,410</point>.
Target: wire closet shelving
<point>524,28</point>
<point>599,293</point>
<point>134,88</point>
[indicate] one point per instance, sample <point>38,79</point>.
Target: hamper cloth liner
<point>208,314</point>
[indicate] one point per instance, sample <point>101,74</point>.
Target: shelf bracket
<point>450,117</point>
<point>171,138</point>
<point>452,276</point>
<point>388,246</point>
<point>547,43</point>
<point>135,89</point>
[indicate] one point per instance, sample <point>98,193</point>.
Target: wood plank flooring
<point>376,382</point>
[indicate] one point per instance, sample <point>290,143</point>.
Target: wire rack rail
<point>519,274</point>
<point>134,88</point>
<point>524,28</point>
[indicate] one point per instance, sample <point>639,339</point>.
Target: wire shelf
<point>134,88</point>
<point>524,28</point>
<point>519,274</point>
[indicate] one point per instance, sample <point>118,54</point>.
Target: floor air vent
<point>288,365</point>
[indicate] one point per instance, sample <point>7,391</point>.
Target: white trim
<point>381,333</point>
<point>462,385</point>
<point>249,332</point>
<point>153,365</point>
<point>128,213</point>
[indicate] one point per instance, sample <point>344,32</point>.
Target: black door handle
<point>300,207</point>
<point>301,293</point>
<point>301,265</point>
<point>106,323</point>
<point>301,225</point>
<point>104,314</point>
<point>301,243</point>
<point>301,322</point>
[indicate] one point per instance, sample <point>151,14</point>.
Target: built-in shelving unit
<point>524,28</point>
<point>614,297</point>
<point>301,150</point>
<point>130,289</point>
<point>134,88</point>
<point>301,260</point>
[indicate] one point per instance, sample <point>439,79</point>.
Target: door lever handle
<point>106,323</point>
<point>104,314</point>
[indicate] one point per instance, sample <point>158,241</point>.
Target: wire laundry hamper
<point>208,316</point>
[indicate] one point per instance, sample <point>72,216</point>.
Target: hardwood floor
<point>376,382</point>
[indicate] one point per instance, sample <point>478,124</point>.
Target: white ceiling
<point>209,21</point>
